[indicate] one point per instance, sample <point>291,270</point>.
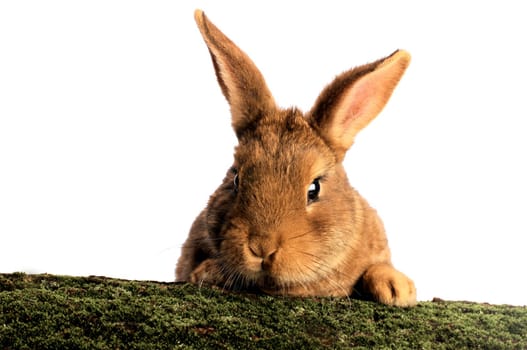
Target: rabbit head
<point>285,220</point>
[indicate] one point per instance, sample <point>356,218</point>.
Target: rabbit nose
<point>266,254</point>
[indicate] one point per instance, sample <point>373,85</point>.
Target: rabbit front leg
<point>389,286</point>
<point>208,272</point>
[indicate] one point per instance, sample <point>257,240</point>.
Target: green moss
<point>52,312</point>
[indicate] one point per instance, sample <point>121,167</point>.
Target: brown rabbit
<point>285,221</point>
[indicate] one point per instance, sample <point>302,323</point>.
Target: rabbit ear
<point>355,98</point>
<point>241,82</point>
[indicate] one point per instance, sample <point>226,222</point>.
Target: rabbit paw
<point>207,272</point>
<point>389,286</point>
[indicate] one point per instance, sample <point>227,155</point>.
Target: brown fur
<point>259,230</point>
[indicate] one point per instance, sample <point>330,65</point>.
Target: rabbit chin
<point>274,285</point>
<point>277,282</point>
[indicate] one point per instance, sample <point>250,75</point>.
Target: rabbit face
<point>281,229</point>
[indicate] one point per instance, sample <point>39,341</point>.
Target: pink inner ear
<point>355,104</point>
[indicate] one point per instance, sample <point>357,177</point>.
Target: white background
<point>113,131</point>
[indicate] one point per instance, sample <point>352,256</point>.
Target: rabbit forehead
<point>283,144</point>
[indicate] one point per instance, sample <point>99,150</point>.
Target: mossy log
<point>62,312</point>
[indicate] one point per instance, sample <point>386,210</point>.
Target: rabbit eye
<point>313,191</point>
<point>236,180</point>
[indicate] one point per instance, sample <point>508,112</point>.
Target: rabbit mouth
<point>269,285</point>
